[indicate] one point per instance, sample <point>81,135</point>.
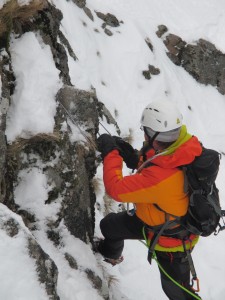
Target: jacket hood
<point>181,152</point>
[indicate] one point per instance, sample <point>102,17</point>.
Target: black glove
<point>129,154</point>
<point>106,144</point>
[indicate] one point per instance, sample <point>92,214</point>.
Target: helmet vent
<point>162,116</point>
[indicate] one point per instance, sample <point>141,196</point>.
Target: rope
<point>104,127</point>
<point>149,160</point>
<point>164,271</point>
<point>88,139</point>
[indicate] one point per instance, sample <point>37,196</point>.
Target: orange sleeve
<point>138,188</point>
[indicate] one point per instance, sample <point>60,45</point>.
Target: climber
<point>156,187</point>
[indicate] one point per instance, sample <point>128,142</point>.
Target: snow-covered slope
<point>113,65</point>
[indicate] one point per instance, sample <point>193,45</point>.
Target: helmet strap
<point>151,139</point>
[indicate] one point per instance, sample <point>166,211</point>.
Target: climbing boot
<point>97,247</point>
<point>114,261</point>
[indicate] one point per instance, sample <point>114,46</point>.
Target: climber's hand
<point>106,144</point>
<point>129,154</point>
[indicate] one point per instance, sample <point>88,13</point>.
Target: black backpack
<point>204,211</point>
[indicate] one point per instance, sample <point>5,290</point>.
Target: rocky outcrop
<point>6,77</point>
<point>150,71</point>
<point>16,232</point>
<point>66,157</point>
<point>46,269</point>
<point>80,3</point>
<point>80,108</point>
<point>108,19</point>
<point>201,60</point>
<point>67,162</point>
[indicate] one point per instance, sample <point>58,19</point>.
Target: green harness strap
<point>163,270</point>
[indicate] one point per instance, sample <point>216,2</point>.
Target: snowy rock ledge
<point>21,253</point>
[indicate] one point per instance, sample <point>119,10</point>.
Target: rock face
<point>109,19</point>
<point>66,158</point>
<point>80,3</point>
<point>6,77</point>
<point>202,60</point>
<point>74,165</point>
<point>80,107</point>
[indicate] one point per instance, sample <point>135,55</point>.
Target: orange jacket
<point>161,183</point>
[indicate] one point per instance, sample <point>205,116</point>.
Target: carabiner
<point>197,289</point>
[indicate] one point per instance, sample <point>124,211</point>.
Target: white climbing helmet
<point>163,117</point>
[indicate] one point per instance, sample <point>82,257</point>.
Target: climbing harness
<point>193,272</point>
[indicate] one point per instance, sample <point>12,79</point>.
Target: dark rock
<point>95,279</point>
<point>54,236</point>
<point>148,42</point>
<point>28,218</point>
<point>161,30</point>
<point>65,42</point>
<point>147,74</point>
<point>175,46</point>
<point>11,227</point>
<point>88,13</point>
<point>153,70</point>
<point>109,19</point>
<point>46,269</point>
<point>71,260</point>
<point>78,205</point>
<point>104,25</point>
<point>202,60</point>
<point>7,79</point>
<point>48,24</point>
<point>108,32</point>
<point>221,82</point>
<point>80,3</point>
<point>81,106</point>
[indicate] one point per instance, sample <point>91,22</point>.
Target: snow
<point>24,2</point>
<point>2,2</point>
<point>118,62</point>
<point>37,82</point>
<point>17,268</point>
<point>31,180</point>
<point>20,2</point>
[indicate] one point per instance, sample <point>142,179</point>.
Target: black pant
<point>118,227</point>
